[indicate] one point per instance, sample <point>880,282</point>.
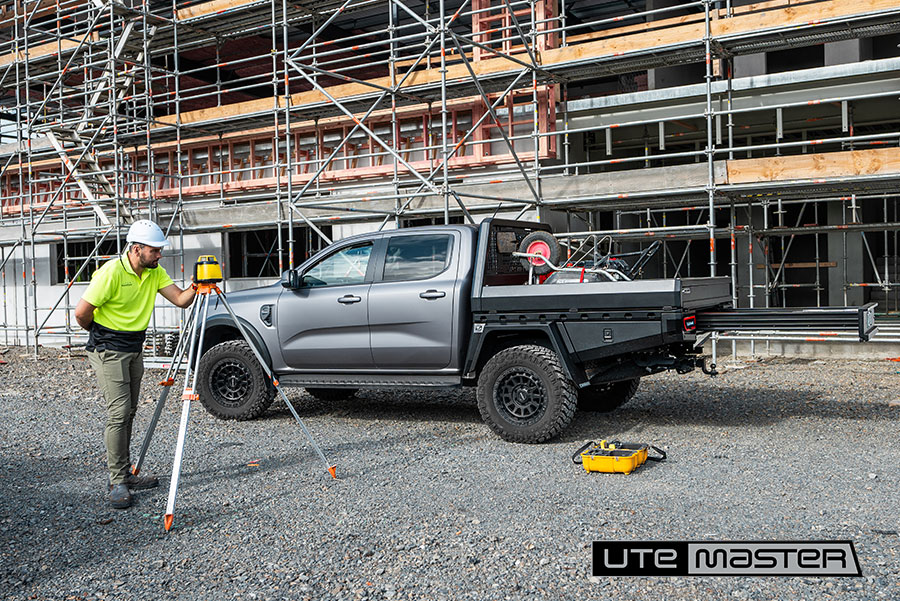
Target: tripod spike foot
<point>134,470</point>
<point>168,521</point>
<point>333,471</point>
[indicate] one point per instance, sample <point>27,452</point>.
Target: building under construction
<point>757,140</point>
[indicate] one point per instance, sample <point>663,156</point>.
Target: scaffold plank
<point>798,15</point>
<point>214,7</point>
<point>879,161</point>
<point>43,50</point>
<point>427,76</point>
<point>9,12</point>
<point>777,16</point>
<point>616,43</point>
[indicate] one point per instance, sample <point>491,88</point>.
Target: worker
<point>115,310</point>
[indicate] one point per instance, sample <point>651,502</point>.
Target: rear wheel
<point>231,382</point>
<point>607,397</point>
<point>332,394</point>
<point>524,394</point>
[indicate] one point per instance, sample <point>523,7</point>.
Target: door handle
<point>432,294</point>
<point>349,299</point>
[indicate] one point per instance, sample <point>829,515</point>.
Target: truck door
<point>323,325</point>
<point>411,302</point>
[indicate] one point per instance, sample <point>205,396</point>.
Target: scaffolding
<point>234,115</point>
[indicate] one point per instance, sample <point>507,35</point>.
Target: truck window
<point>416,257</point>
<point>346,266</point>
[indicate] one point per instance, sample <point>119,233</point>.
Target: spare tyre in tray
<point>540,243</point>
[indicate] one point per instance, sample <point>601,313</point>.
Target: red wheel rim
<point>538,247</point>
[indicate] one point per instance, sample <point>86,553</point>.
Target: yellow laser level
<point>612,456</point>
<point>207,270</point>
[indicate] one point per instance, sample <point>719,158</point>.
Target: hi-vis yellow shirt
<point>124,301</point>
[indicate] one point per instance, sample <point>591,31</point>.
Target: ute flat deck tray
<point>687,293</point>
<point>848,319</point>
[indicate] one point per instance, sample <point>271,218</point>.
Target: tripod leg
<point>332,469</point>
<point>187,396</point>
<point>186,334</point>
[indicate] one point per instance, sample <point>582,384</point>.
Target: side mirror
<point>290,279</point>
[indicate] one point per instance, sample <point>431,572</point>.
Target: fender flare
<point>225,321</point>
<point>554,334</point>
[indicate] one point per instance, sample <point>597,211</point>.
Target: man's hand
<point>84,314</point>
<point>177,296</point>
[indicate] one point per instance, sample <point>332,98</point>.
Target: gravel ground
<point>430,505</point>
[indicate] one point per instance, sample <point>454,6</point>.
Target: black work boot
<point>141,482</point>
<point>119,496</point>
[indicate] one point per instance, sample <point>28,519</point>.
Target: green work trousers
<point>119,375</point>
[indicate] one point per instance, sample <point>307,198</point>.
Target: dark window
<point>346,266</point>
<point>795,59</point>
<point>423,221</point>
<point>416,257</point>
<point>71,256</point>
<point>254,253</point>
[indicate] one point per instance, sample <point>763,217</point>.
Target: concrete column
<point>668,77</point>
<point>848,51</point>
<point>748,65</point>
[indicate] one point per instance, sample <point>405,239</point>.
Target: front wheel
<point>524,394</point>
<point>231,382</point>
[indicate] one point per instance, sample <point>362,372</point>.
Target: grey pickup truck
<point>450,306</point>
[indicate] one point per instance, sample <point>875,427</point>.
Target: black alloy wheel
<point>232,384</point>
<point>524,394</point>
<point>520,394</point>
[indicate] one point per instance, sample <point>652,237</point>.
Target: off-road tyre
<point>332,394</point>
<point>607,397</point>
<point>232,384</point>
<point>544,244</point>
<point>524,394</point>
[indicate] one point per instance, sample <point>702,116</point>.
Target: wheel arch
<point>494,338</point>
<point>221,328</point>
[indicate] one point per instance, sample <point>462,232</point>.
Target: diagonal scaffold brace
<point>190,343</point>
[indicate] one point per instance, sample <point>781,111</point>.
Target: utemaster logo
<point>756,558</point>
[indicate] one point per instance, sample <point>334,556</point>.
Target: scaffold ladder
<point>86,172</point>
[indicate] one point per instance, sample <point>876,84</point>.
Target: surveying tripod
<point>206,275</point>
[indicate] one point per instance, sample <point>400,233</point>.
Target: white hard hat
<point>146,232</point>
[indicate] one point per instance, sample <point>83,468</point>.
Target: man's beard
<point>149,265</point>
